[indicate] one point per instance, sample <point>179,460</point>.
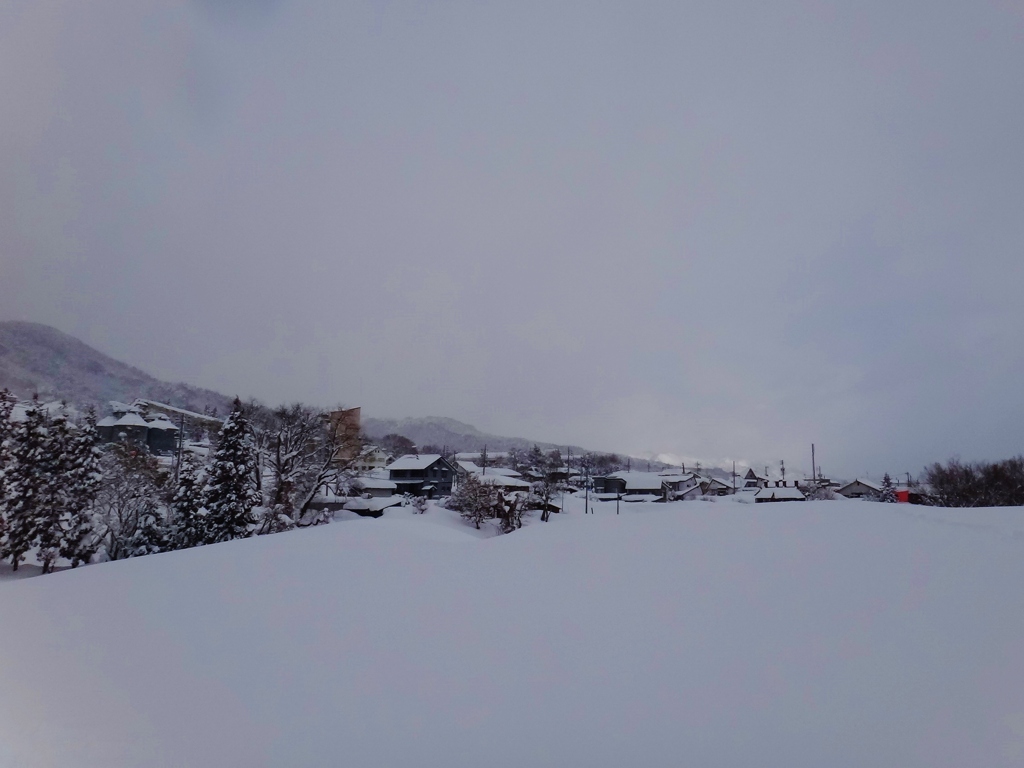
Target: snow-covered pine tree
<point>54,466</point>
<point>80,538</point>
<point>188,517</point>
<point>231,491</point>
<point>888,491</point>
<point>7,402</point>
<point>26,484</point>
<point>153,533</point>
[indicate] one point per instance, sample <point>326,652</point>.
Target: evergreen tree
<point>888,492</point>
<point>536,458</point>
<point>26,482</point>
<point>153,533</point>
<point>231,492</point>
<point>79,538</point>
<point>53,468</point>
<point>188,517</point>
<point>7,402</point>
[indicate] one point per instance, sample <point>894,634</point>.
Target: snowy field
<point>692,634</point>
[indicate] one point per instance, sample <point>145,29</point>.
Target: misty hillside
<point>37,358</point>
<point>455,435</point>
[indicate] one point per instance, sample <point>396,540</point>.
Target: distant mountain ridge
<point>452,434</point>
<point>36,358</point>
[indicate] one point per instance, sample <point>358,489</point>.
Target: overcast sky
<point>719,230</point>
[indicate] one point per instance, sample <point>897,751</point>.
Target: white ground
<point>815,634</point>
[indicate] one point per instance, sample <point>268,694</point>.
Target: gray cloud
<point>719,230</point>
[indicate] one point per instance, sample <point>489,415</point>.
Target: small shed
<point>374,487</point>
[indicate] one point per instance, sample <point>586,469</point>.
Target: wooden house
<point>429,475</point>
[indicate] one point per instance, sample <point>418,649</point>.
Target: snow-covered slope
<point>825,633</point>
<point>38,358</point>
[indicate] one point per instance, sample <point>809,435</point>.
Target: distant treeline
<point>981,484</point>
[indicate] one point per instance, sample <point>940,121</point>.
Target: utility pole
<point>586,503</point>
<point>783,465</point>
<point>734,478</point>
<point>814,470</point>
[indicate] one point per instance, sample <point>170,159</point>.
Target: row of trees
<point>981,484</point>
<point>64,496</point>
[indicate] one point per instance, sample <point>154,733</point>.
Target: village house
<point>677,487</point>
<point>158,434</point>
<point>712,486</point>
<point>754,480</point>
<point>429,475</point>
<point>629,483</point>
<point>371,459</point>
<point>860,489</point>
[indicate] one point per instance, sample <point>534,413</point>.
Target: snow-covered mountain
<point>38,358</point>
<point>456,435</point>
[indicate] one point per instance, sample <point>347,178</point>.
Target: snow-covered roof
<point>780,493</point>
<point>131,419</point>
<point>372,505</point>
<point>868,483</point>
<point>476,469</point>
<point>142,403</point>
<point>502,481</point>
<point>107,421</point>
<point>412,461</point>
<point>162,422</point>
<point>640,481</point>
<point>503,471</point>
<point>673,479</point>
